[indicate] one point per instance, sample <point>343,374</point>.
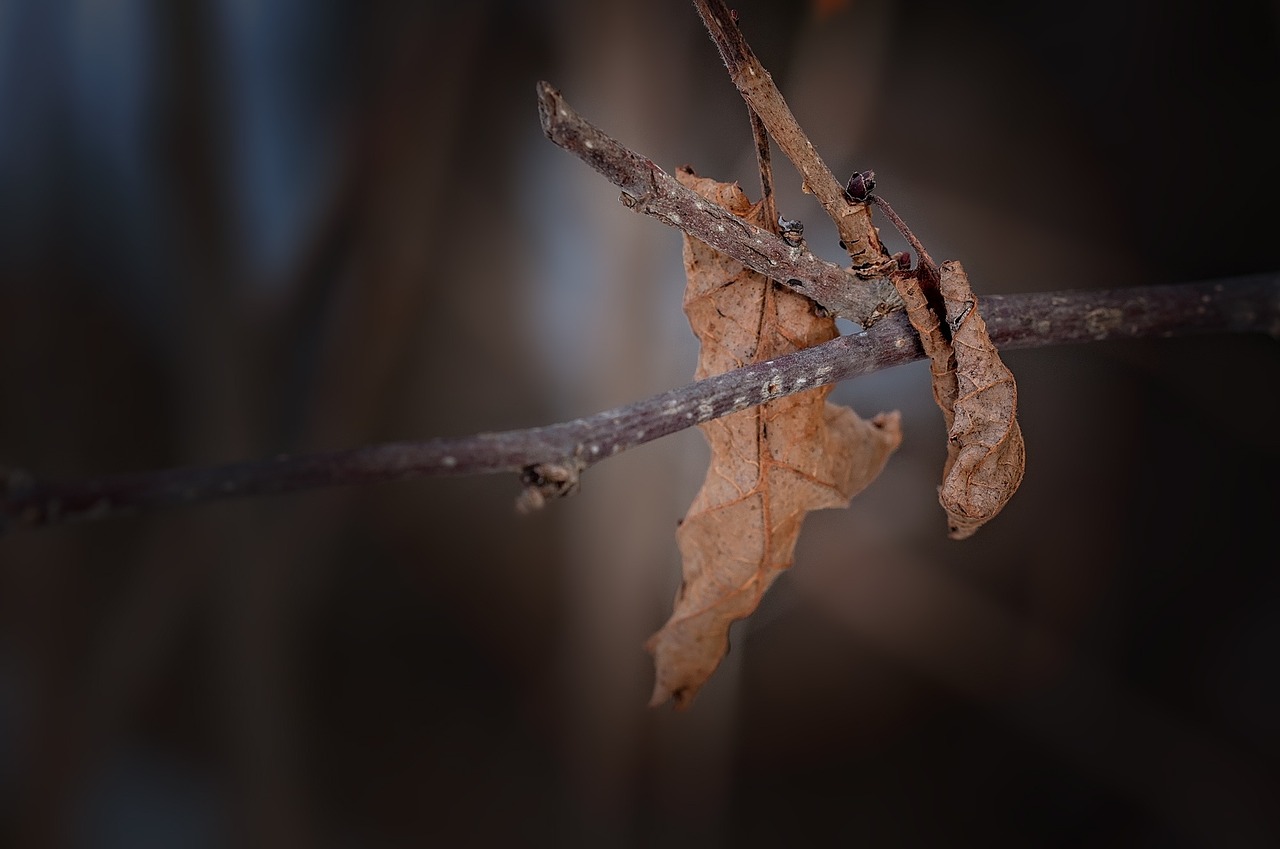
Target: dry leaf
<point>942,362</point>
<point>978,398</point>
<point>985,453</point>
<point>770,464</point>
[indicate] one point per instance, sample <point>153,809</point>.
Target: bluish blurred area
<point>83,97</point>
<point>235,228</point>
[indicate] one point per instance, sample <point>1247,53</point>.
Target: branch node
<point>545,481</point>
<point>792,231</point>
<point>876,270</point>
<point>636,203</point>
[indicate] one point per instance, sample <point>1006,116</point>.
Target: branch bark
<point>648,189</point>
<point>551,457</point>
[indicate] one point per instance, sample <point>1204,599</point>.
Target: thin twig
<point>764,161</point>
<point>926,262</point>
<point>1239,305</point>
<point>647,188</point>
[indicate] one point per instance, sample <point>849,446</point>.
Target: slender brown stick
<point>923,301</point>
<point>764,161</point>
<point>648,189</point>
<point>926,261</point>
<point>1240,305</point>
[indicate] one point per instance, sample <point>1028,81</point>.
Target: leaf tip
<point>662,695</point>
<point>681,697</point>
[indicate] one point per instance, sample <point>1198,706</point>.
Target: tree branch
<point>648,189</point>
<point>551,457</point>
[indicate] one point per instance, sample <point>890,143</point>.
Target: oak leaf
<point>770,464</point>
<point>986,454</point>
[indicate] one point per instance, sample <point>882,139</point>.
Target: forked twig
<point>755,83</point>
<point>648,189</point>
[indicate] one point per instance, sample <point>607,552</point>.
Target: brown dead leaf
<point>985,452</point>
<point>770,464</point>
<point>978,398</point>
<point>942,361</point>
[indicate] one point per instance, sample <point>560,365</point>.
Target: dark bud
<point>792,231</point>
<point>861,185</point>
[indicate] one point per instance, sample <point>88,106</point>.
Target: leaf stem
<point>926,261</point>
<point>764,161</point>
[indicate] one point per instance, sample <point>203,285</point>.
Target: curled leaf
<point>770,464</point>
<point>936,345</point>
<point>986,455</point>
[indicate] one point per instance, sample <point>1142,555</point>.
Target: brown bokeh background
<point>233,229</point>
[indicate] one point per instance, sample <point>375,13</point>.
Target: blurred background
<point>230,229</point>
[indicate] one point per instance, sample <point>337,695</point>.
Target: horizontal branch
<point>551,457</point>
<point>648,189</point>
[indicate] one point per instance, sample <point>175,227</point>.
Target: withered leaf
<point>942,361</point>
<point>978,397</point>
<point>985,452</point>
<point>770,464</point>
